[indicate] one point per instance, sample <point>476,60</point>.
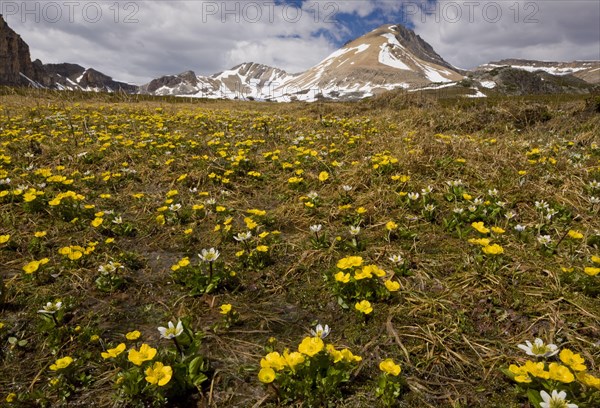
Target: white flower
<point>175,207</point>
<point>551,213</point>
<point>458,210</point>
<point>413,196</point>
<point>594,200</point>
<point>210,201</point>
<point>51,308</point>
<point>347,188</point>
<point>478,201</point>
<point>595,184</point>
<point>354,230</point>
<point>544,239</point>
<point>209,255</point>
<point>429,207</point>
<point>519,228</point>
<point>118,220</point>
<point>541,205</point>
<point>427,190</point>
<point>510,215</point>
<point>316,228</point>
<point>320,331</point>
<point>312,195</point>
<point>172,331</point>
<point>538,348</point>
<point>396,259</point>
<point>243,236</point>
<point>455,183</point>
<point>493,192</point>
<point>556,400</point>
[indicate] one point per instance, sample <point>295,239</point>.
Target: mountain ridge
<point>389,57</point>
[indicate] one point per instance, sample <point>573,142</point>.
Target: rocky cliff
<point>16,67</point>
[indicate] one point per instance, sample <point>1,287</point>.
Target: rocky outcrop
<point>17,69</point>
<point>15,60</point>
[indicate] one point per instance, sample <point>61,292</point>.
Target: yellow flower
<point>560,373</point>
<point>11,397</point>
<point>589,380</point>
<point>596,259</point>
<point>323,176</point>
<point>467,197</point>
<point>364,273</point>
<point>226,309</point>
<point>401,178</point>
<point>392,286</point>
<point>349,262</point>
<point>361,210</point>
<point>293,359</point>
<point>146,353</point>
<point>391,225</point>
<point>266,375</point>
<point>114,352</point>
<point>97,222</point>
<point>480,241</point>
<point>388,366</point>
<point>4,239</point>
<point>39,234</point>
<point>311,346</point>
<point>262,248</point>
<point>375,270</point>
<point>521,375</point>
<point>61,363</point>
<point>480,227</point>
<point>273,360</point>
<point>133,335</point>
<point>342,277</point>
<point>250,223</point>
<point>75,255</point>
<point>575,361</point>
<point>592,271</point>
<point>537,370</point>
<point>349,357</point>
<point>575,234</point>
<point>364,306</point>
<point>498,230</point>
<point>159,374</point>
<point>31,267</point>
<point>493,249</point>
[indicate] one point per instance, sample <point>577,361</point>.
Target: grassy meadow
<point>428,238</point>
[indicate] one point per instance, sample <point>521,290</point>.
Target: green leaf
<point>534,397</point>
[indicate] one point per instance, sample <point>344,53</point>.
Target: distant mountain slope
<point>76,77</point>
<point>589,71</point>
<point>389,57</point>
<point>244,81</point>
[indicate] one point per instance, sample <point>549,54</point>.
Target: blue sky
<point>137,40</point>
